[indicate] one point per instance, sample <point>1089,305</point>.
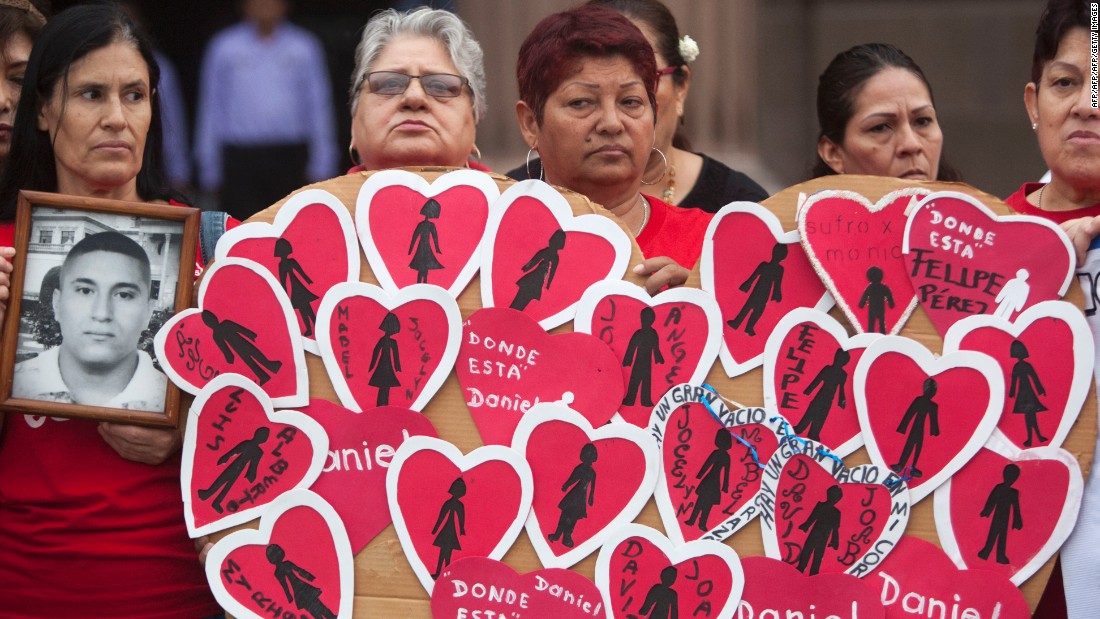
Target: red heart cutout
<point>361,449</point>
<point>678,346</point>
<point>924,416</point>
<point>1010,512</point>
<point>507,364</point>
<point>845,236</point>
<point>297,564</point>
<point>919,575</point>
<point>407,242</point>
<point>1053,368</point>
<point>317,228</point>
<point>239,454</point>
<point>381,349</point>
<point>587,481</point>
<point>641,573</point>
<point>807,380</point>
<point>709,479</point>
<point>447,506</point>
<point>467,586</point>
<point>824,518</point>
<point>772,586</point>
<point>540,258</point>
<point>253,339</point>
<point>963,259</point>
<point>758,274</point>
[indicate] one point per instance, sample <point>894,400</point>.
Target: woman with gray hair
<point>396,122</point>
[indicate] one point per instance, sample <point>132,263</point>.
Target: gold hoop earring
<point>353,155</point>
<point>529,151</point>
<point>665,169</point>
<point>477,153</point>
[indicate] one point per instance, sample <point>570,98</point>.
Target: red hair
<point>558,45</point>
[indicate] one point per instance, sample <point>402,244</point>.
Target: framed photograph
<point>93,281</point>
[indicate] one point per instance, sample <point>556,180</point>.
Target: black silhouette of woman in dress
<point>424,236</point>
<point>644,349</point>
<point>301,297</point>
<point>922,410</point>
<point>386,360</point>
<point>875,298</point>
<point>580,493</point>
<point>661,601</point>
<point>450,524</point>
<point>237,340</point>
<point>715,479</point>
<point>831,379</point>
<point>296,584</point>
<point>766,284</point>
<point>1003,505</point>
<point>1026,388</point>
<point>249,453</point>
<point>538,272</point>
<point>823,525</point>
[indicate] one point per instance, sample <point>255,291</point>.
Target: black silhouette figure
<point>875,298</point>
<point>301,297</point>
<point>232,337</point>
<point>715,479</point>
<point>424,236</point>
<point>831,379</point>
<point>823,525</point>
<point>766,284</point>
<point>643,350</point>
<point>538,272</point>
<point>922,410</point>
<point>249,453</point>
<point>1003,505</point>
<point>296,584</point>
<point>450,524</point>
<point>386,360</point>
<point>1026,388</point>
<point>580,493</point>
<point>661,601</point>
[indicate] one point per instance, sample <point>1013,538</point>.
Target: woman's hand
<point>203,546</point>
<point>661,272</point>
<point>6,254</point>
<point>1081,231</point>
<point>140,444</point>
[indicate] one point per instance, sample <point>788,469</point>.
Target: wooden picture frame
<point>47,228</point>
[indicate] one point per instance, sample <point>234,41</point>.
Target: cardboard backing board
<point>385,585</point>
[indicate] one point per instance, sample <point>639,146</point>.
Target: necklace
<point>645,215</point>
<point>1039,201</point>
<point>670,192</point>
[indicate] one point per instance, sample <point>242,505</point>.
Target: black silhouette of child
<point>249,453</point>
<point>661,601</point>
<point>424,236</point>
<point>1026,388</point>
<point>580,493</point>
<point>831,379</point>
<point>295,582</point>
<point>715,479</point>
<point>538,272</point>
<point>450,524</point>
<point>875,298</point>
<point>232,337</point>
<point>823,525</point>
<point>1003,505</point>
<point>386,360</point>
<point>643,350</point>
<point>766,284</point>
<point>922,410</point>
<point>301,297</point>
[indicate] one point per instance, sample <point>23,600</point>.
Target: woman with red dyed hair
<point>587,87</point>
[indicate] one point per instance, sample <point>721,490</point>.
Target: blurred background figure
<point>265,123</point>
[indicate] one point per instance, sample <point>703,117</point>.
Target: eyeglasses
<point>669,70</point>
<point>440,85</point>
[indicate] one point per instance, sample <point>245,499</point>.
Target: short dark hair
<point>560,42</point>
<point>1057,20</point>
<point>116,243</point>
<point>68,37</point>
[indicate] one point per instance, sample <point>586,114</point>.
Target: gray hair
<point>446,27</point>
